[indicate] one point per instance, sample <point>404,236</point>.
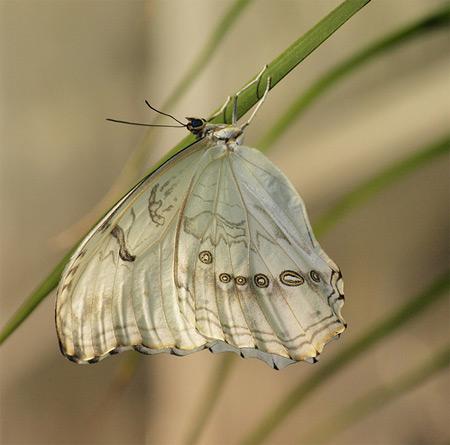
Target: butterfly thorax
<point>228,135</point>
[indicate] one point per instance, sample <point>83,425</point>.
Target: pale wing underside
<point>115,291</point>
<point>214,250</point>
<point>250,271</point>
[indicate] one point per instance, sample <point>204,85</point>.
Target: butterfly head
<point>196,125</point>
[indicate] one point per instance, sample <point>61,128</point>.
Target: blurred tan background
<point>66,65</point>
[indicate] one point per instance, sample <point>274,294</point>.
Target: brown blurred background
<point>66,65</point>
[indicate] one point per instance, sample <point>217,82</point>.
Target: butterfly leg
<point>235,108</point>
<point>258,105</point>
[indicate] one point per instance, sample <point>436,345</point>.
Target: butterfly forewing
<point>112,292</point>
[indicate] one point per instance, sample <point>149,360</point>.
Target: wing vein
<point>249,241</point>
<point>213,213</point>
<point>182,209</point>
<point>272,219</point>
<point>305,218</point>
<point>248,247</point>
<point>163,305</point>
<point>262,259</point>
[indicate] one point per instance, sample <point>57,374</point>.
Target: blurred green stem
<point>377,398</point>
<point>35,298</point>
<point>437,20</point>
<point>367,189</point>
<point>347,354</point>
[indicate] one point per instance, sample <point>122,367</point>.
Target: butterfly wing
<point>250,272</point>
<point>213,250</point>
<point>118,289</point>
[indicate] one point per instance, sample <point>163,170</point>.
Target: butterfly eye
<point>196,123</point>
<point>314,276</point>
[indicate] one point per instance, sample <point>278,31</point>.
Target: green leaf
<point>377,398</point>
<point>347,354</point>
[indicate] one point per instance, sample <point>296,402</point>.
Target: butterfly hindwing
<point>247,262</point>
<point>303,277</point>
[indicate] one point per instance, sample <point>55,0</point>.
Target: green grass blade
<point>278,69</point>
<point>367,189</point>
<point>348,353</point>
<point>35,298</point>
<point>298,51</point>
<point>377,398</point>
<point>437,20</point>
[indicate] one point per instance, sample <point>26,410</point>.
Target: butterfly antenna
<point>164,114</point>
<point>145,125</point>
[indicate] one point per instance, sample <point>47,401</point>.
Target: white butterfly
<point>213,250</point>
